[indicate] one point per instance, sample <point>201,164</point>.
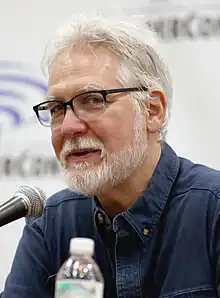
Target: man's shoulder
<point>64,196</point>
<point>198,177</point>
<point>65,202</point>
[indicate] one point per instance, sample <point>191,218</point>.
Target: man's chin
<point>80,167</point>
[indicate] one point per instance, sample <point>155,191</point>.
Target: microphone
<point>27,201</point>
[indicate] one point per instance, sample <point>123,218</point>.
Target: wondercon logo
<point>21,86</point>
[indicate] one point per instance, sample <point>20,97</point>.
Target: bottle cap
<point>82,246</point>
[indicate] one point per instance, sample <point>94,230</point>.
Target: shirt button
<point>100,218</point>
<point>145,231</point>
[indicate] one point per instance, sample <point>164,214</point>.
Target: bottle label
<point>70,288</point>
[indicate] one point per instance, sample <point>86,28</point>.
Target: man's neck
<point>124,195</point>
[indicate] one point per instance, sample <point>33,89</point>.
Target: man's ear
<point>156,107</point>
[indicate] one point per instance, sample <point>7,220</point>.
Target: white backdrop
<point>25,27</point>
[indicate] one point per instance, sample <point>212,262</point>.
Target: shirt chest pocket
<point>208,293</point>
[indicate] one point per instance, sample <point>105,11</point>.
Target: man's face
<point>98,154</point>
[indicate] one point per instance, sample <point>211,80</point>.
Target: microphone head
<point>34,197</point>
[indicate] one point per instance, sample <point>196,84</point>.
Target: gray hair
<point>137,47</point>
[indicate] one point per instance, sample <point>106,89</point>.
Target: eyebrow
<point>78,90</point>
<point>91,87</point>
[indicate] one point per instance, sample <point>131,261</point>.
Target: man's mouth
<point>83,154</point>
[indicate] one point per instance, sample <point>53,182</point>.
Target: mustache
<point>81,143</point>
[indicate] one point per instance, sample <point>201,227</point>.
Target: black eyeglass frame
<point>104,94</point>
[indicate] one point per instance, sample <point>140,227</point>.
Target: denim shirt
<point>166,245</point>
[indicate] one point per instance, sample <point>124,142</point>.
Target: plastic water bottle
<point>80,276</point>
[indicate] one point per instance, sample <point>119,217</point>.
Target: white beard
<point>113,169</point>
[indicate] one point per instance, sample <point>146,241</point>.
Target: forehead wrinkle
<point>77,72</point>
<point>72,89</point>
<point>68,59</point>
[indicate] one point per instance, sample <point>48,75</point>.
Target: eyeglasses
<point>86,106</point>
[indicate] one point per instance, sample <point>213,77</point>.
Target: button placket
<point>127,263</point>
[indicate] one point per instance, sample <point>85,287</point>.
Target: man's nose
<point>72,126</point>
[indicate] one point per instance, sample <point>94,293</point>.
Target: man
<point>154,216</point>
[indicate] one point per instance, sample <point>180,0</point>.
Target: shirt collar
<point>144,215</point>
<point>147,210</point>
